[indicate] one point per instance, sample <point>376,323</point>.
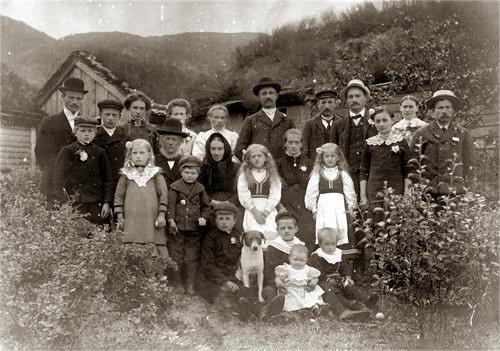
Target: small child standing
<point>346,301</point>
<point>301,283</point>
<point>82,173</point>
<point>188,209</point>
<point>259,191</point>
<point>141,198</point>
<point>329,188</point>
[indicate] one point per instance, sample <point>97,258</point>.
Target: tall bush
<point>440,256</point>
<point>60,274</point>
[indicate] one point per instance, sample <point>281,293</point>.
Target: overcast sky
<point>59,18</point>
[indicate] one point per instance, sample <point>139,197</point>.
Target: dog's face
<point>252,239</point>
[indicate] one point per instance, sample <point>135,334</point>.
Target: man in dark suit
<point>56,131</point>
<point>171,140</point>
<point>447,147</point>
<point>318,129</point>
<point>268,125</point>
<point>351,131</point>
<point>112,138</point>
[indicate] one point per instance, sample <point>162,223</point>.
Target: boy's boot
<point>177,282</point>
<point>191,274</point>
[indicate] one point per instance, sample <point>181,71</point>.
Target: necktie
<point>356,116</point>
<point>443,129</point>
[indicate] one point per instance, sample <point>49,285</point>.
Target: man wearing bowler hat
<point>351,131</point>
<point>111,137</point>
<point>171,140</point>
<point>318,129</point>
<point>447,147</point>
<point>268,125</point>
<point>56,131</point>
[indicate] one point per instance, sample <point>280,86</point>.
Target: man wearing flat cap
<point>351,131</point>
<point>171,138</point>
<point>447,146</point>
<point>111,137</point>
<point>318,129</point>
<point>267,126</point>
<point>56,131</point>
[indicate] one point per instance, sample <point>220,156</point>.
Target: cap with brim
<point>355,83</point>
<point>73,84</point>
<point>117,105</point>
<point>325,93</point>
<point>266,82</point>
<point>189,161</point>
<point>442,95</point>
<point>86,121</point>
<point>171,126</point>
<point>225,206</point>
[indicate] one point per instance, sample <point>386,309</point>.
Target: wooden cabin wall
<point>299,114</point>
<point>17,146</point>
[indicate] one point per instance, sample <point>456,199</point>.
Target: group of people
<point>192,195</point>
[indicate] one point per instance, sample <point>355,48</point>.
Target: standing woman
<point>384,159</point>
<point>137,104</point>
<point>410,122</point>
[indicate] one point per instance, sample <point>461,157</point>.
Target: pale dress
<point>295,281</point>
<point>330,207</point>
<point>262,201</point>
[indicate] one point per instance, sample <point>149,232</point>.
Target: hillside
<point>164,67</point>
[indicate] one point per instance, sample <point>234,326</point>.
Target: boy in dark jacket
<point>347,301</point>
<point>82,173</point>
<point>188,209</point>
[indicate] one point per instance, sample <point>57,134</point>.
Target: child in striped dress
<point>259,191</point>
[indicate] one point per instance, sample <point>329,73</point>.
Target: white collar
<point>270,112</point>
<point>283,245</point>
<point>140,178</point>
<point>110,131</point>
<point>446,126</point>
<point>333,258</point>
<point>392,138</point>
<point>219,131</point>
<point>414,122</point>
<point>362,113</point>
<point>69,115</point>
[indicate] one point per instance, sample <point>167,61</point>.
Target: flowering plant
<point>83,155</point>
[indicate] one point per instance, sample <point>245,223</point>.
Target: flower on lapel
<point>183,202</point>
<point>233,240</point>
<point>303,168</point>
<point>371,122</point>
<point>395,149</point>
<point>455,139</point>
<point>319,150</point>
<point>83,155</point>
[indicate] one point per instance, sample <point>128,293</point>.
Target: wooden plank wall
<point>16,146</point>
<point>98,89</point>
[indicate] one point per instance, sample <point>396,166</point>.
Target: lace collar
<point>413,123</point>
<point>140,178</point>
<point>331,259</point>
<point>392,138</point>
<point>283,245</point>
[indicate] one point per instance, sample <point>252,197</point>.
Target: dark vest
<point>327,131</point>
<point>330,186</point>
<point>356,145</point>
<point>260,189</point>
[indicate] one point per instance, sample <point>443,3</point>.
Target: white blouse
<point>245,196</point>
<point>312,192</point>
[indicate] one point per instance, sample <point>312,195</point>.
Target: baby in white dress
<point>301,283</point>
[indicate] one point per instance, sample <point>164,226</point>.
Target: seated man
<point>219,261</point>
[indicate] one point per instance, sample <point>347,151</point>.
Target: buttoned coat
<point>54,133</point>
<point>341,135</point>
<point>313,136</point>
<point>170,174</point>
<point>87,178</point>
<point>440,148</point>
<point>259,129</point>
<point>114,146</point>
<point>186,205</point>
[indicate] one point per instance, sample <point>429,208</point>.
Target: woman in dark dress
<point>384,159</point>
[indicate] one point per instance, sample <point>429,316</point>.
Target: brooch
<point>183,202</point>
<point>83,155</point>
<point>303,168</point>
<point>233,240</point>
<point>395,149</point>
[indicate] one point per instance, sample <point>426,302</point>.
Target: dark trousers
<point>185,247</point>
<point>92,212</point>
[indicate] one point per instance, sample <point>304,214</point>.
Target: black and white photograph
<point>249,175</point>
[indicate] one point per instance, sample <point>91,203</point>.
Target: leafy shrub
<point>440,256</point>
<point>60,274</point>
